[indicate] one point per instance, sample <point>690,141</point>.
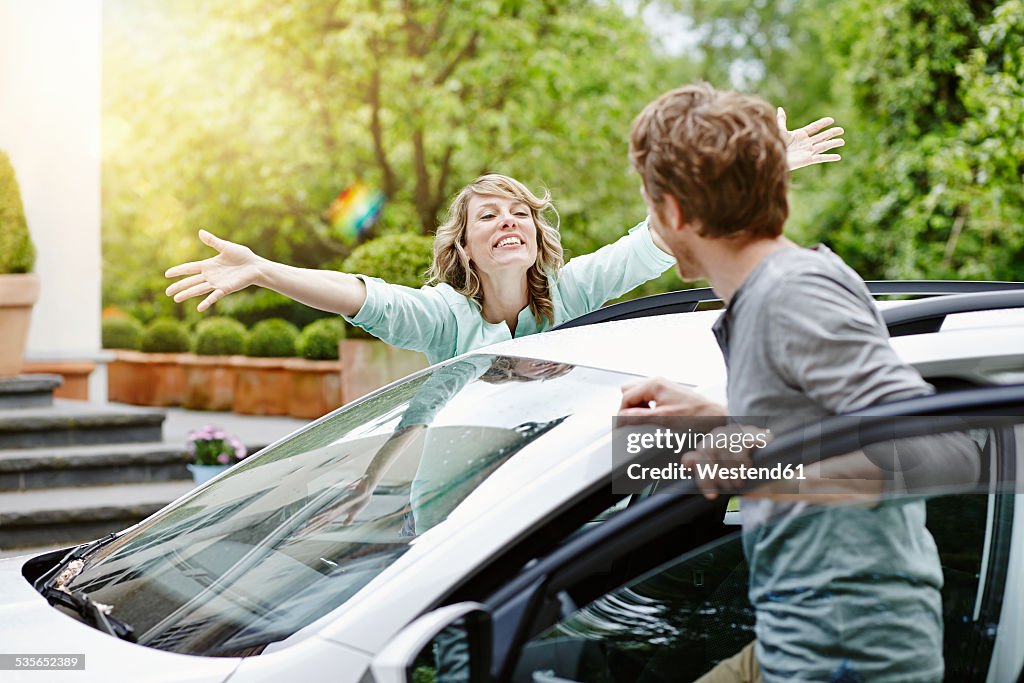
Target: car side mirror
<point>449,645</point>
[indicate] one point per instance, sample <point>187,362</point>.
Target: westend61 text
<point>714,471</point>
<point>667,439</point>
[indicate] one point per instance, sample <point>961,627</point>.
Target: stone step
<point>28,391</point>
<point>37,468</point>
<point>63,516</point>
<point>77,423</point>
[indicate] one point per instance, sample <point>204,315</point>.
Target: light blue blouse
<point>442,323</point>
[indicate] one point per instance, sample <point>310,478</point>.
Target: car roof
<point>682,347</point>
<point>679,346</point>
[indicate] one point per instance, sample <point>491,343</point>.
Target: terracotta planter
<point>263,386</point>
<point>18,293</point>
<point>120,378</point>
<point>367,365</point>
<point>316,387</point>
<point>147,379</point>
<point>75,373</point>
<point>209,382</point>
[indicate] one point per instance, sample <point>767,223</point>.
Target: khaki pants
<point>740,668</point>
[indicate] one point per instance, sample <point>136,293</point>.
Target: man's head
<point>713,165</point>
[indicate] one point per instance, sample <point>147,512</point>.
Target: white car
<point>466,514</point>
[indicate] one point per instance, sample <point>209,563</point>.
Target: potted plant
<point>263,386</point>
<point>316,373</point>
<point>19,287</point>
<point>155,375</point>
<point>120,333</point>
<point>210,374</point>
<point>212,451</point>
<point>368,363</point>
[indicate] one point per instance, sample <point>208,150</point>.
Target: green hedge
<point>274,338</point>
<point>17,255</point>
<point>255,304</point>
<point>165,335</point>
<point>220,336</point>
<point>121,333</point>
<point>401,259</point>
<point>319,339</point>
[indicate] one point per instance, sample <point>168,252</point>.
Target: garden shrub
<point>401,259</point>
<point>165,335</point>
<point>219,336</point>
<point>319,339</point>
<point>17,255</point>
<point>274,338</point>
<point>122,332</point>
<point>255,304</point>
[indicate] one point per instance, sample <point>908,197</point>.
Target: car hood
<point>30,626</point>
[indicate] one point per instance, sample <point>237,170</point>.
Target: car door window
<point>678,620</point>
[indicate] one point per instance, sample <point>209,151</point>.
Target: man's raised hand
<point>234,268</point>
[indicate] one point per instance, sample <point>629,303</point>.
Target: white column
<point>50,66</point>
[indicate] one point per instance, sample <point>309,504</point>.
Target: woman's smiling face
<point>500,233</point>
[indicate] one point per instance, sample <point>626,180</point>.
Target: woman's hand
<point>807,146</point>
<point>234,268</point>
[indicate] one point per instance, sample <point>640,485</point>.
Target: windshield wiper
<point>97,613</point>
<point>47,579</point>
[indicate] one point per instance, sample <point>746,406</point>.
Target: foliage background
<point>247,117</point>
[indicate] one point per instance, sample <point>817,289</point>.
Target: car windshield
<point>290,534</point>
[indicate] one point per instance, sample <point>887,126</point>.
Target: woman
<point>497,270</point>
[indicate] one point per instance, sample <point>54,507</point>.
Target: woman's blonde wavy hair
<point>452,266</point>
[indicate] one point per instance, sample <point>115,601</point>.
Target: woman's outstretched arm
<point>236,267</point>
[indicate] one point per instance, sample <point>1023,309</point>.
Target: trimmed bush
<point>17,255</point>
<point>319,339</point>
<point>255,304</point>
<point>165,335</point>
<point>274,338</point>
<point>219,336</point>
<point>399,259</point>
<point>402,259</point>
<point>121,333</point>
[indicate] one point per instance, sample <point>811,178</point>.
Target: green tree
<point>931,187</point>
<point>249,116</point>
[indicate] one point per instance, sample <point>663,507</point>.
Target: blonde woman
<point>497,271</point>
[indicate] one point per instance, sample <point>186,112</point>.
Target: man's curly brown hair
<point>720,154</point>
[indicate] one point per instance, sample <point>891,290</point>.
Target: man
<point>849,592</point>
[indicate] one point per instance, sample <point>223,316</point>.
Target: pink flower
<point>240,450</point>
<point>212,445</point>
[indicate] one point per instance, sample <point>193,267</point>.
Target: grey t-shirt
<point>839,590</point>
